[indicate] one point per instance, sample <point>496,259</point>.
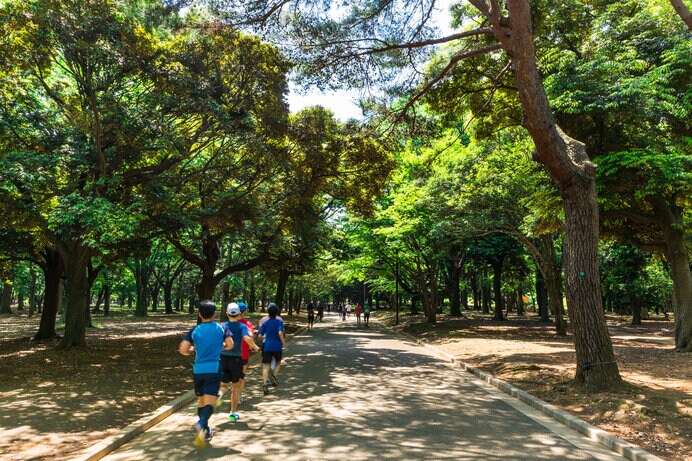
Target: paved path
<point>349,393</point>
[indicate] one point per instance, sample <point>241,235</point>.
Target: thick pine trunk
<point>574,175</point>
<point>497,288</point>
<point>76,259</point>
<point>52,273</point>
<point>595,357</point>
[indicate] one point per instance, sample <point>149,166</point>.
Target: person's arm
<point>228,343</point>
<point>250,342</point>
<point>186,347</point>
<point>283,341</point>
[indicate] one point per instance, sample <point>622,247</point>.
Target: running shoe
<point>265,389</point>
<point>240,402</point>
<point>233,417</point>
<point>219,401</point>
<point>272,379</point>
<point>208,434</point>
<point>200,436</point>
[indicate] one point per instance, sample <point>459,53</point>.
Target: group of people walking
<point>222,352</point>
<point>360,311</point>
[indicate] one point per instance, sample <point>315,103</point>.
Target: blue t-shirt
<point>208,338</point>
<point>238,331</point>
<point>270,330</point>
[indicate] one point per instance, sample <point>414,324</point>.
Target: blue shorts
<point>207,383</point>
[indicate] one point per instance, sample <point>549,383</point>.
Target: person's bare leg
<point>265,373</point>
<point>235,396</point>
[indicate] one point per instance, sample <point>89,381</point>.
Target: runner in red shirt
<point>245,351</point>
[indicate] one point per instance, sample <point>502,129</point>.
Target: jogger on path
<point>206,340</point>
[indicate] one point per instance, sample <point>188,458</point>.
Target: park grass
<point>652,409</point>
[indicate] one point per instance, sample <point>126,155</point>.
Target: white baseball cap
<point>233,309</point>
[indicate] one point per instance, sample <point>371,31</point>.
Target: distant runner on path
<point>206,340</point>
<point>366,314</point>
<point>311,315</point>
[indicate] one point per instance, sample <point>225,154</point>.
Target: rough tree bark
<point>670,219</point>
<point>574,175</point>
<point>497,288</point>
<point>76,258</point>
<point>683,11</point>
<point>52,272</point>
<point>6,298</point>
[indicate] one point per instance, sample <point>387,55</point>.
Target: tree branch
<point>452,62</point>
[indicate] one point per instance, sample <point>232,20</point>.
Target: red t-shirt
<point>245,349</point>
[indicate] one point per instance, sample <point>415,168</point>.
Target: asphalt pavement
<point>354,393</point>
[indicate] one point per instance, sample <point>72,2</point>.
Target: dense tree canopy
<point>540,150</point>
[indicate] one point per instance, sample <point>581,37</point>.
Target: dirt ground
<point>53,404</point>
<point>653,409</point>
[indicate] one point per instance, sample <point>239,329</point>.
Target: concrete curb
<point>112,443</point>
<point>615,444</point>
<point>123,436</point>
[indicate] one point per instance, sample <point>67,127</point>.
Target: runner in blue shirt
<point>206,340</point>
<point>273,333</point>
<point>231,360</point>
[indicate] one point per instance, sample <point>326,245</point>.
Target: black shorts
<point>311,317</point>
<point>245,361</point>
<point>268,356</point>
<point>232,367</point>
<point>207,383</point>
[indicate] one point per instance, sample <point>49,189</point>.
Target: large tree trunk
<point>6,298</point>
<point>553,283</point>
<point>636,305</point>
<point>141,282</point>
<point>683,11</point>
<point>454,273</point>
<point>573,173</point>
<point>281,287</point>
<point>76,259</point>
<point>542,297</point>
<point>107,300</point>
<point>677,255</point>
<point>168,296</point>
<point>497,288</point>
<point>52,273</point>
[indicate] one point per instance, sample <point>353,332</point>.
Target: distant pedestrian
<point>206,340</point>
<point>366,314</point>
<point>320,312</point>
<point>311,315</point>
<point>272,331</point>
<point>358,311</point>
<point>343,312</point>
<point>231,360</point>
